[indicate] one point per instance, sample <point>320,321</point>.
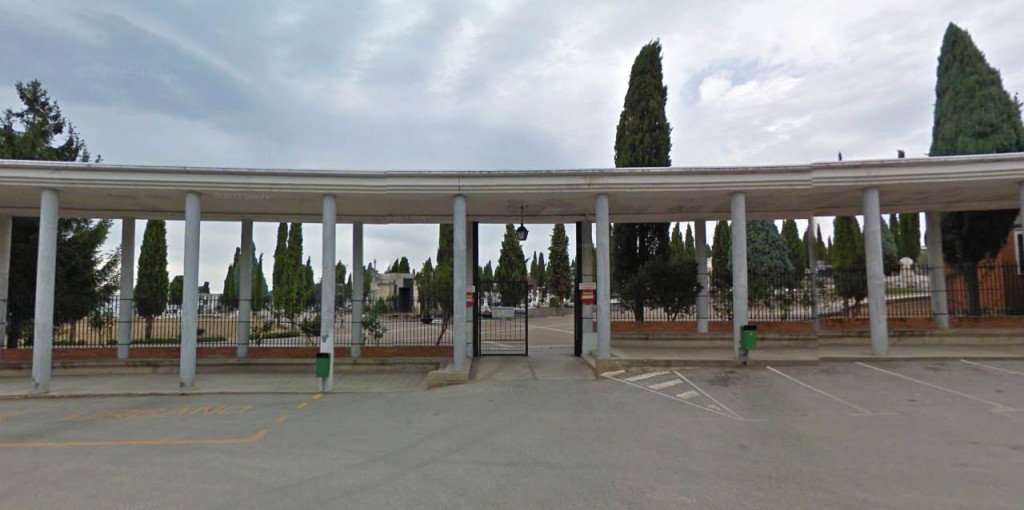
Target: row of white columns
<point>46,268</point>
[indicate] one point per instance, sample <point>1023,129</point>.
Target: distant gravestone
<point>906,268</point>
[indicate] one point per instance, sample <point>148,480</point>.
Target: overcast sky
<point>482,85</point>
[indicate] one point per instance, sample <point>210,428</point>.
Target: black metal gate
<point>503,323</point>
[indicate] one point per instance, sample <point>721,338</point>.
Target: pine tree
<point>560,275</point>
<point>642,139</point>
<point>973,115</point>
<point>510,276</point>
<point>151,287</point>
<point>85,277</point>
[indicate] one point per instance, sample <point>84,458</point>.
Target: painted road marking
<point>997,406</point>
<point>645,388</point>
<point>317,396</point>
<point>281,419</point>
<point>666,384</point>
<point>613,373</point>
<point>301,405</point>
<point>687,395</point>
<point>990,367</point>
<point>551,329</point>
<point>860,410</point>
<point>9,415</point>
<point>160,412</point>
<point>706,394</point>
<point>158,442</point>
<point>641,377</point>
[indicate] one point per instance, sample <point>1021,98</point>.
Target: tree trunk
<point>73,333</point>
<point>973,288</point>
<point>444,327</point>
<point>149,327</point>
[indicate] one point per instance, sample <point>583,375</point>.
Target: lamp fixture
<point>521,232</point>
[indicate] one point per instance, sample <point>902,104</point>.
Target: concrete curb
<point>449,376</point>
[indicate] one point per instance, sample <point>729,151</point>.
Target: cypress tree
<point>542,269</point>
<point>152,283</point>
<point>821,250</point>
<point>487,278</point>
<point>280,265</point>
<point>894,228</point>
<point>909,242</point>
<point>642,139</point>
<point>973,115</point>
<point>768,264</point>
<point>848,259</point>
<point>689,247</point>
<point>721,265</point>
<point>511,273</point>
<point>560,275</point>
<point>795,248</point>
<point>175,290</point>
<point>676,246</point>
<point>229,297</point>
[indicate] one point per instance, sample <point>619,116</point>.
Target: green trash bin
<point>323,364</point>
<point>748,337</point>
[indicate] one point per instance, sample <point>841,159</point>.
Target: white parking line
<point>551,329</point>
<point>997,406</point>
<point>645,388</point>
<point>641,377</point>
<point>687,395</point>
<point>702,392</point>
<point>859,409</point>
<point>666,384</point>
<point>990,367</point>
<point>613,373</point>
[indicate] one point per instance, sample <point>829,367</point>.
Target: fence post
<point>125,300</point>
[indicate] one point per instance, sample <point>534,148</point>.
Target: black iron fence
<point>218,326</point>
<point>971,291</point>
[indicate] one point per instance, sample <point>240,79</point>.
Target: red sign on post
<point>588,292</point>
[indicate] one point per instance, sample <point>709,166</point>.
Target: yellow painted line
<point>317,396</point>
<point>281,419</point>
<point>5,416</point>
<point>158,442</point>
<point>301,405</point>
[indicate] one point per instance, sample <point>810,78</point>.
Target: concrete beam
<point>46,270</point>
<point>125,301</point>
<point>739,268</point>
<point>356,349</point>
<point>604,295</point>
<point>812,264</point>
<point>6,227</point>
<point>701,242</point>
<point>459,335</point>
<point>328,286</point>
<point>937,270</point>
<point>190,294</point>
<point>879,315</point>
<point>244,290</point>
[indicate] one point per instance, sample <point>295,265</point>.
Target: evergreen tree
<point>260,291</point>
<point>721,265</point>
<point>510,275</point>
<point>229,297</point>
<point>560,276</point>
<point>910,235</point>
<point>676,246</point>
<point>823,251</point>
<point>890,251</point>
<point>280,263</point>
<point>152,283</point>
<point>175,290</point>
<point>973,115</point>
<point>768,265</point>
<point>894,228</point>
<point>795,248</point>
<point>848,259</point>
<point>85,278</point>
<point>425,284</point>
<point>444,285</point>
<point>487,278</point>
<point>689,247</point>
<point>533,268</point>
<point>642,139</point>
<point>542,271</point>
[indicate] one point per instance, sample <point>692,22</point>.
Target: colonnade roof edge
<point>101,190</point>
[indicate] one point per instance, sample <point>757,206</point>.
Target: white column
<point>604,295</point>
<point>875,272</point>
<point>356,349</point>
<point>46,268</point>
<point>812,264</point>
<point>244,291</point>
<point>459,283</point>
<point>470,270</point>
<point>700,240</point>
<point>190,294</point>
<point>328,286</point>
<point>124,309</point>
<point>739,267</point>
<point>937,270</point>
<point>6,226</point>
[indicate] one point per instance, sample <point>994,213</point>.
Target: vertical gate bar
<point>577,313</point>
<point>476,285</point>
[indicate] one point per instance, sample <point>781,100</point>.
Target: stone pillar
<point>875,272</point>
<point>587,316</point>
<point>125,301</point>
<point>937,270</point>
<point>328,286</point>
<point>190,294</point>
<point>739,268</point>
<point>700,240</point>
<point>356,349</point>
<point>244,290</point>
<point>6,227</point>
<point>604,295</point>
<point>46,269</point>
<point>812,263</point>
<point>459,283</point>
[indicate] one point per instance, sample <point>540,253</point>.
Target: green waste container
<point>323,364</point>
<point>748,337</point>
